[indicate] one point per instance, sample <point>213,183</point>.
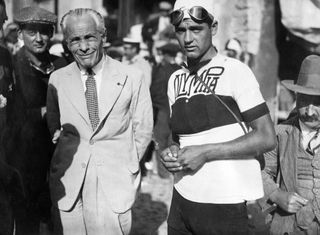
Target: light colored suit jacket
<point>142,64</point>
<point>116,146</point>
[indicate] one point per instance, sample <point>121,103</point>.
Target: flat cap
<point>35,15</point>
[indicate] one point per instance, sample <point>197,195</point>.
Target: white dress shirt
<point>306,135</point>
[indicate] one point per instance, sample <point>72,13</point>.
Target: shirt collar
<point>197,67</point>
<point>135,58</point>
<point>45,66</point>
<point>305,130</point>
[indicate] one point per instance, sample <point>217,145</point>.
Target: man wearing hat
<point>131,56</point>
<point>212,100</point>
<point>31,144</point>
<point>292,173</point>
<point>152,29</point>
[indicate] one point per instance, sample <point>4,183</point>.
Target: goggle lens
<point>176,17</point>
<point>196,13</point>
<point>199,13</point>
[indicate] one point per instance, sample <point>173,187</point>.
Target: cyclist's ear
<point>214,27</point>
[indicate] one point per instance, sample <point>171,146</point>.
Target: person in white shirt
<point>131,56</point>
<point>214,165</point>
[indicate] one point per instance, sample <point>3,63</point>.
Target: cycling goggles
<point>197,14</point>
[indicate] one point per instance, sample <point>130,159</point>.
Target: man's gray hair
<point>80,12</point>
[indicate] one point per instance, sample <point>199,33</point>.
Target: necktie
<point>92,99</point>
<point>312,143</point>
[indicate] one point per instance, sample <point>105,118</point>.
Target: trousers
<point>192,218</point>
<point>91,214</point>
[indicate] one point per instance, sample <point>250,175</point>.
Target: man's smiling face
<point>84,41</point>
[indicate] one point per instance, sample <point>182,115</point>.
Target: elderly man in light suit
<point>100,114</point>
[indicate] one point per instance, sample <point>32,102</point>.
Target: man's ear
<point>20,35</point>
<point>104,37</point>
<point>214,27</point>
<point>67,44</point>
<point>51,32</point>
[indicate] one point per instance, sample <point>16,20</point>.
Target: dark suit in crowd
<point>30,146</point>
<point>9,179</point>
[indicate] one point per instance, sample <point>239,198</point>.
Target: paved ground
<point>151,209</point>
<point>152,205</point>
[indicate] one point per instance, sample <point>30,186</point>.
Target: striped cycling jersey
<point>197,117</point>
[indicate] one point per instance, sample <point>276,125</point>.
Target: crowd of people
<point>79,119</point>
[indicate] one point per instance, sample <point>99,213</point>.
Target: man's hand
<point>3,101</point>
<point>56,136</point>
<point>288,201</point>
<point>169,158</point>
<point>192,158</point>
<point>43,111</point>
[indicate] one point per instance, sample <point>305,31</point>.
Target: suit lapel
<point>112,84</point>
<point>74,90</point>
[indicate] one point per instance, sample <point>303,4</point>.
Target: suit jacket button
<point>91,142</point>
<point>83,165</point>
